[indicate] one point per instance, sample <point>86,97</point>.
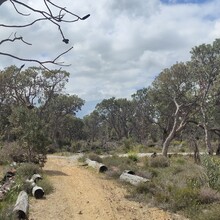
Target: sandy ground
<point>82,194</point>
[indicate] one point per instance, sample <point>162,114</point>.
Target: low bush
<point>46,185</point>
<point>26,170</point>
<point>95,157</point>
<point>208,195</point>
<point>209,213</point>
<point>159,161</point>
<point>133,156</point>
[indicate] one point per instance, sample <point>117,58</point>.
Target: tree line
<point>181,103</point>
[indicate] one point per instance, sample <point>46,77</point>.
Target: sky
<point>121,47</point>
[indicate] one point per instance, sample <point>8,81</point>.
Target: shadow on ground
<point>55,173</point>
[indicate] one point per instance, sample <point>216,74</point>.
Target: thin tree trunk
<point>207,133</point>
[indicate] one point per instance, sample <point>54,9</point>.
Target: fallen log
<point>21,206</point>
<point>129,176</point>
<point>6,187</point>
<point>37,192</point>
<point>100,167</point>
<point>36,177</point>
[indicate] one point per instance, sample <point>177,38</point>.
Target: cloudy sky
<point>121,47</point>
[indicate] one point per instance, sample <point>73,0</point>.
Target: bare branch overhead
<point>47,15</point>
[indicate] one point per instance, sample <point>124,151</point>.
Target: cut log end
<point>102,169</point>
<point>37,192</point>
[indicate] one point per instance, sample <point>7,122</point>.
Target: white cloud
<point>122,46</point>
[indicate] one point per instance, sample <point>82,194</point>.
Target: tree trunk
<point>207,133</point>
<point>218,150</point>
<point>208,140</point>
<point>196,153</point>
<point>166,143</point>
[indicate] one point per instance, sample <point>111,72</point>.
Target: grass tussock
<point>23,172</point>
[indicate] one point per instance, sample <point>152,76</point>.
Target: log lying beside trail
<point>101,168</point>
<point>129,176</point>
<point>7,184</point>
<point>21,206</point>
<point>38,192</point>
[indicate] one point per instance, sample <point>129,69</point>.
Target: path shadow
<point>55,173</point>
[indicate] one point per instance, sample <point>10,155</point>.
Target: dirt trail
<point>81,194</point>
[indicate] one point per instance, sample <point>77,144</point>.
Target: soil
<point>82,194</point>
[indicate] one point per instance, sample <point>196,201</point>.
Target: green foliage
<point>29,129</point>
<point>133,156</point>
<point>117,165</point>
<point>127,144</point>
<point>46,185</point>
<point>181,198</point>
<point>210,213</point>
<point>27,170</point>
<point>212,168</point>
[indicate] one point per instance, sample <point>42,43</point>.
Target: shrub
<point>26,170</point>
<point>159,161</point>
<point>211,213</point>
<point>122,163</point>
<point>212,167</point>
<point>127,144</point>
<point>133,156</point>
<point>46,185</point>
<point>93,156</point>
<point>208,195</point>
<point>181,198</point>
<point>144,188</point>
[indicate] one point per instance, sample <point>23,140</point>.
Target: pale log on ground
<point>129,176</point>
<point>101,168</point>
<point>21,206</point>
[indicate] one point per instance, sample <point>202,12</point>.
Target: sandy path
<point>82,194</point>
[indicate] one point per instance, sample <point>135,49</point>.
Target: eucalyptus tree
<point>30,131</point>
<point>117,114</point>
<point>59,109</point>
<point>173,94</point>
<point>144,119</point>
<point>37,94</point>
<point>205,65</point>
<point>92,126</point>
<point>33,86</point>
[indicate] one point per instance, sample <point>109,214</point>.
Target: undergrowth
<point>176,184</point>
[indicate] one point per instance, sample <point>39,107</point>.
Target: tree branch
<point>43,16</point>
<point>42,63</point>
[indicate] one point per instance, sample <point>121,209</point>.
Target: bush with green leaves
<point>212,169</point>
<point>27,170</point>
<point>133,156</point>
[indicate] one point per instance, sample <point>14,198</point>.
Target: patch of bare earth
<point>81,194</point>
